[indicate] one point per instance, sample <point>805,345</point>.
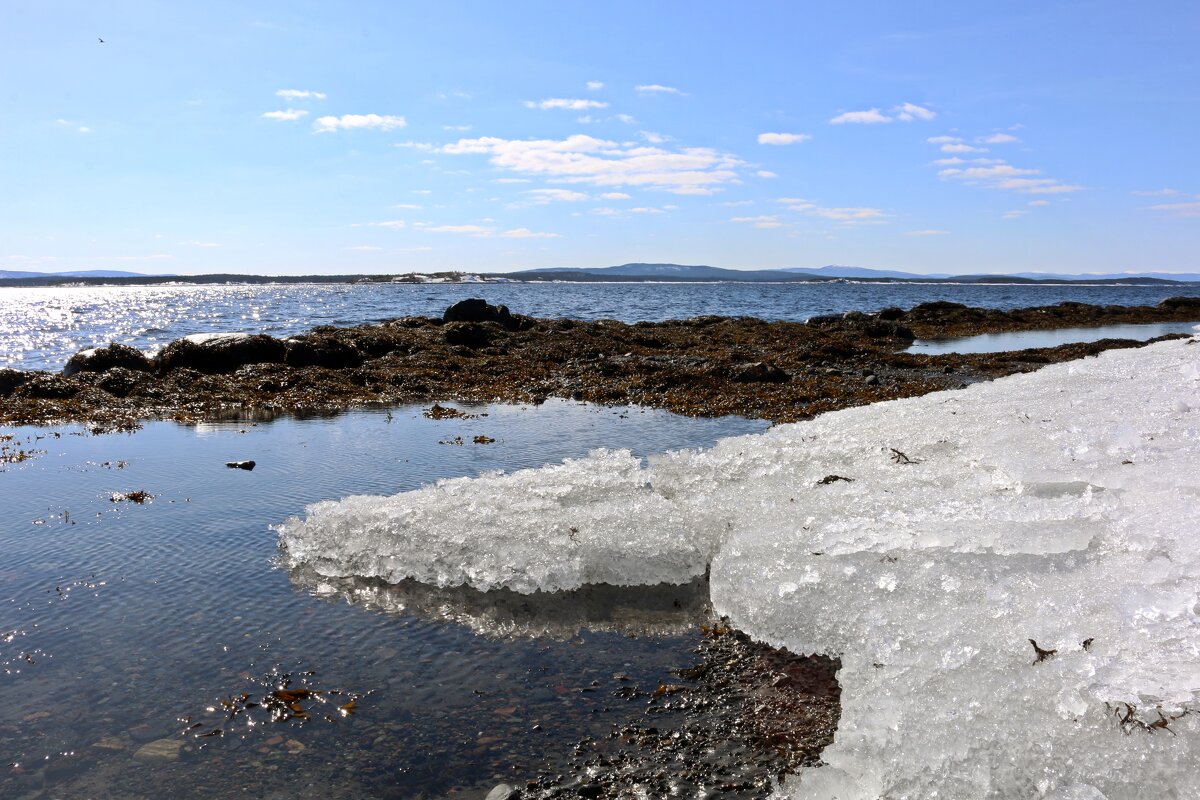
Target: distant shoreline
<point>437,279</point>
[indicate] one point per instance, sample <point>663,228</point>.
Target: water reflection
<point>1023,340</point>
<point>661,610</point>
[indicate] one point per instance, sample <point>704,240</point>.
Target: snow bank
<point>1058,506</point>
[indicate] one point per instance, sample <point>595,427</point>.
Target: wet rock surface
<point>728,726</point>
<point>704,366</point>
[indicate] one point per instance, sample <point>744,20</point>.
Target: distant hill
<point>87,273</point>
<point>683,272</point>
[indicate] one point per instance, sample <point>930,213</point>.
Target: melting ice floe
<point>1059,506</point>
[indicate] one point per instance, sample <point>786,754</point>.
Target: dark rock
<point>871,380</point>
<point>760,372</point>
<point>11,380</point>
<point>102,359</point>
<point>467,334</point>
<point>121,381</point>
<point>882,329</point>
<point>48,387</point>
<point>246,465</point>
<point>937,306</point>
<point>1181,303</point>
<point>220,353</point>
<point>891,313</point>
<point>320,351</point>
<point>477,310</point>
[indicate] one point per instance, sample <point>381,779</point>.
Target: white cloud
<point>943,139</point>
<point>997,174</point>
<point>762,221</point>
<point>194,243</point>
<point>83,129</point>
<point>586,119</point>
<point>607,212</point>
<point>950,147</point>
<point>286,116</point>
<point>352,121</point>
<point>511,180</point>
<point>1158,193</point>
<point>654,138</point>
<point>783,138</point>
<point>424,147</point>
<point>927,232</point>
<point>847,215</point>
<point>1038,202</point>
<point>364,248</point>
<point>587,160</point>
<point>997,138</point>
<point>556,195</point>
<point>412,206</point>
<point>474,230</point>
<point>299,94</point>
<point>459,128</point>
<point>628,120</point>
<point>872,117</point>
<point>568,104</point>
<point>594,86</point>
<point>390,224</point>
<point>78,128</point>
<point>907,112</point>
<point>657,88</point>
<point>766,173</point>
<point>525,233</point>
<point>1180,209</point>
<point>616,196</point>
<point>1038,186</point>
<point>986,173</point>
<point>645,210</point>
<point>1013,214</point>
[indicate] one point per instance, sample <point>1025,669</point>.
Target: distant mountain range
<point>680,272</point>
<point>10,274</point>
<point>624,273</point>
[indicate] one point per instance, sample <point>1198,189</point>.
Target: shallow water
<point>123,624</point>
<point>40,328</point>
<point>1021,340</point>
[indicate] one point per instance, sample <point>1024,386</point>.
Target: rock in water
<point>476,309</point>
<point>101,359</point>
<point>158,751</point>
<point>246,465</point>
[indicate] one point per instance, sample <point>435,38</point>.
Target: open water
<point>41,328</point>
<point>127,625</point>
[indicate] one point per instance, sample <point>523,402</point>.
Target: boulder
<point>477,310</point>
<point>11,380</point>
<point>467,334</point>
<point>760,372</point>
<point>218,353</point>
<point>44,386</point>
<point>102,359</point>
<point>121,381</point>
<point>1181,303</point>
<point>314,351</point>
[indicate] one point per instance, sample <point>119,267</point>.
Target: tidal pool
<point>1023,340</point>
<point>153,648</point>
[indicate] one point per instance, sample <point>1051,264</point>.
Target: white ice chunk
<point>1059,506</point>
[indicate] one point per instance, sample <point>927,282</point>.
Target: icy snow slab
<point>1058,506</point>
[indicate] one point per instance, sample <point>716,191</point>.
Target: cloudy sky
<point>387,137</point>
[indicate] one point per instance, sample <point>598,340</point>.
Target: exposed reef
<point>704,366</point>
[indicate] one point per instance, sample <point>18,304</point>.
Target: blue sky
<point>298,137</point>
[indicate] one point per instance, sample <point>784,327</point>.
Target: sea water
<point>40,328</point>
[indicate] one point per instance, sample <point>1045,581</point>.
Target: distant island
<point>624,273</point>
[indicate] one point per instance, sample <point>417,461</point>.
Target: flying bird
<point>101,40</point>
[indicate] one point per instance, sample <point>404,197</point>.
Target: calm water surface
<point>1021,340</point>
<point>124,624</point>
<point>42,328</point>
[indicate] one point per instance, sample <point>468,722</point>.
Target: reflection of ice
<point>1058,506</point>
<point>660,610</point>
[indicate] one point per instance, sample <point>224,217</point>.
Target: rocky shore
<point>704,366</point>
